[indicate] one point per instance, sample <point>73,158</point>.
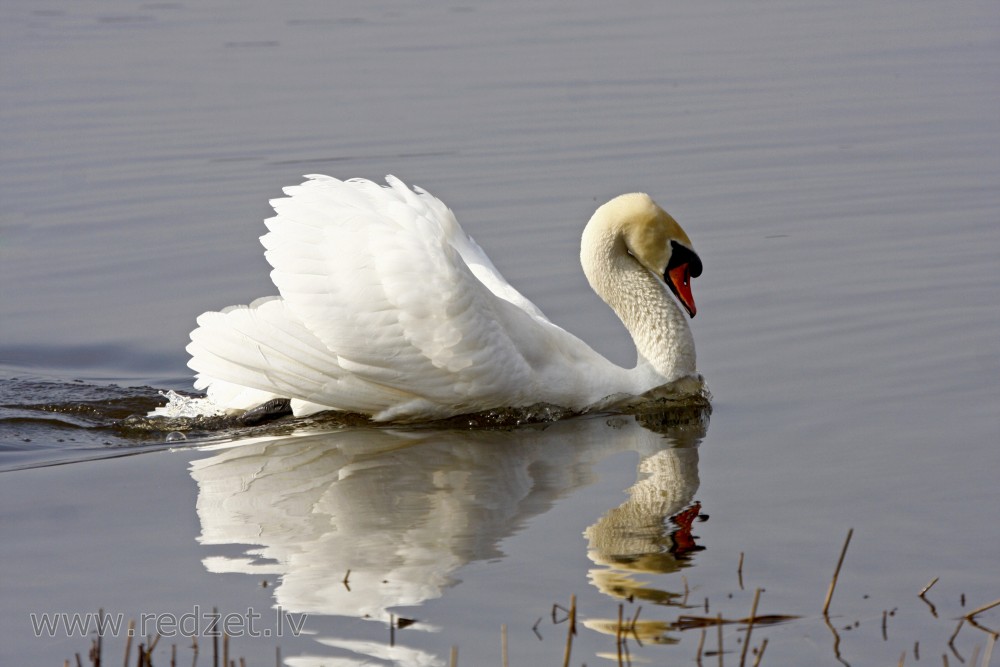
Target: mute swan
<point>389,309</point>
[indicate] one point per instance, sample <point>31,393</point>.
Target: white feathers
<point>388,308</point>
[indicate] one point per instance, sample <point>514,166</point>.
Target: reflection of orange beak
<point>680,281</point>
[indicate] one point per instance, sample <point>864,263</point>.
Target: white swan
<point>389,309</point>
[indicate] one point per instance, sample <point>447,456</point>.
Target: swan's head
<point>657,242</point>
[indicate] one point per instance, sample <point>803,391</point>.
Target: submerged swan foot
<point>265,412</point>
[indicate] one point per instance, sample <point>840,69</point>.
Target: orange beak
<point>680,283</point>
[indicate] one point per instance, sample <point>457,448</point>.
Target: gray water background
<point>837,166</point>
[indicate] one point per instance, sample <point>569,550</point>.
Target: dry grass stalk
<point>931,605</point>
<point>836,573</point>
<point>503,645</point>
<point>746,640</point>
<point>719,626</point>
<point>927,587</point>
<point>975,655</point>
<point>571,630</point>
<point>618,635</point>
<point>215,639</point>
<point>760,653</point>
<point>979,610</point>
<point>631,625</point>
<point>836,641</point>
<point>685,622</point>
<point>951,640</point>
<point>128,640</point>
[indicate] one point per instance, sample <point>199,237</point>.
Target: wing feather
<point>386,307</point>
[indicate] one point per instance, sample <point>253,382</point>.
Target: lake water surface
<point>837,166</point>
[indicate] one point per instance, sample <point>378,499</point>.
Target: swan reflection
<point>402,510</point>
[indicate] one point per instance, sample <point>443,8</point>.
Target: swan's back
<point>386,308</point>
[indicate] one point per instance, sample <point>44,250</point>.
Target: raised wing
<point>387,307</point>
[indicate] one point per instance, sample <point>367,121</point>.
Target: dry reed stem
<point>979,610</point>
<point>836,641</point>
<point>128,640</point>
<point>571,630</point>
<point>215,639</point>
<point>760,653</point>
<point>618,634</point>
<point>631,625</point>
<point>746,640</point>
<point>988,651</point>
<point>503,645</point>
<point>453,660</point>
<point>100,640</point>
<point>836,573</point>
<point>951,641</point>
<point>977,626</point>
<point>927,587</point>
<point>931,605</point>
<point>701,645</point>
<point>719,626</point>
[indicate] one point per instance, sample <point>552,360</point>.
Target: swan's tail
<point>245,356</point>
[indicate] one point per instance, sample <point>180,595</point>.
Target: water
<point>836,165</point>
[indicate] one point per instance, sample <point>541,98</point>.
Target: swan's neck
<point>659,328</point>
